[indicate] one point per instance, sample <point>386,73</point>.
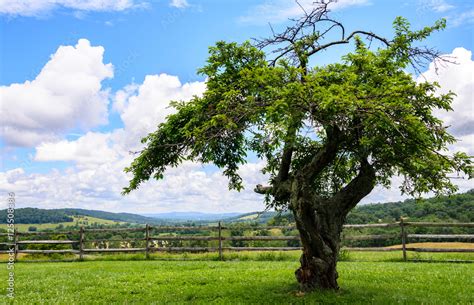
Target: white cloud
<point>458,78</point>
<point>143,109</point>
<point>96,178</point>
<point>276,11</point>
<point>190,187</point>
<point>90,149</point>
<point>439,6</point>
<point>66,93</point>
<point>466,17</point>
<point>179,3</point>
<point>41,7</point>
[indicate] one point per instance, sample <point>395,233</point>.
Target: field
<point>234,282</point>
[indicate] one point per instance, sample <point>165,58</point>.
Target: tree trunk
<point>320,229</point>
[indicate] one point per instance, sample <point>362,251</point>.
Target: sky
<point>81,82</point>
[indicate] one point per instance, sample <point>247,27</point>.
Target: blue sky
<point>130,58</point>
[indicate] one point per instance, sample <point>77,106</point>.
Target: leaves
<point>383,115</point>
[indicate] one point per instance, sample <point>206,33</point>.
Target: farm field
<point>234,282</point>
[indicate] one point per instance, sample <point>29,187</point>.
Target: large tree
<point>329,134</point>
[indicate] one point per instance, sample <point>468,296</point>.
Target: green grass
<point>236,282</point>
<point>290,256</point>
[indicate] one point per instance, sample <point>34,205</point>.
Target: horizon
<point>101,77</point>
<point>148,214</point>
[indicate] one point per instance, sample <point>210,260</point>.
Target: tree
<point>329,134</point>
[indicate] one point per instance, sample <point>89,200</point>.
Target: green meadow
<point>236,281</point>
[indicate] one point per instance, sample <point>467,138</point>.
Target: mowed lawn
<point>235,282</point>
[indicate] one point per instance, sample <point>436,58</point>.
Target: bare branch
<point>260,189</point>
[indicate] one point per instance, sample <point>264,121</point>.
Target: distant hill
<point>253,217</point>
<point>123,217</point>
<point>192,216</point>
<point>38,216</point>
<point>454,208</point>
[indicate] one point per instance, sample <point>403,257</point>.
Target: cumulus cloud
<point>276,11</point>
<point>143,107</point>
<point>65,94</point>
<point>91,149</point>
<point>41,7</point>
<point>458,78</point>
<point>96,178</point>
<point>191,187</point>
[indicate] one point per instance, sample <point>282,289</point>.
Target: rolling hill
<point>39,216</point>
<point>192,216</point>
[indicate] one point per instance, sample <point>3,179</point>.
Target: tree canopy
<point>366,109</point>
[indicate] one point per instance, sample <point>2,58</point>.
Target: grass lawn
<point>235,282</point>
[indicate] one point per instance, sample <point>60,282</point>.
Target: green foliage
<point>33,215</point>
<point>50,247</point>
<point>454,208</point>
<point>32,229</point>
<point>382,114</point>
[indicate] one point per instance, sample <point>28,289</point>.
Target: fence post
<point>147,241</point>
<point>220,241</point>
<point>15,240</point>
<point>81,243</point>
<point>403,233</point>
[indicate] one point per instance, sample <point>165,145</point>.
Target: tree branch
<point>264,190</point>
<point>348,197</point>
<point>325,155</point>
<point>347,40</point>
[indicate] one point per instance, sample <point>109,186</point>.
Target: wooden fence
<point>149,238</point>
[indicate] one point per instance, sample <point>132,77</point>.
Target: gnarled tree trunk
<point>320,229</point>
<point>319,221</point>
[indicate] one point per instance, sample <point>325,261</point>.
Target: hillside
<point>454,208</point>
<point>254,217</point>
<point>193,216</point>
<point>39,216</point>
<point>122,217</point>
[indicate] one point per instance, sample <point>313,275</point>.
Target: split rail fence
<point>150,239</point>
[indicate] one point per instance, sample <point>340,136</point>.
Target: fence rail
<point>102,244</point>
